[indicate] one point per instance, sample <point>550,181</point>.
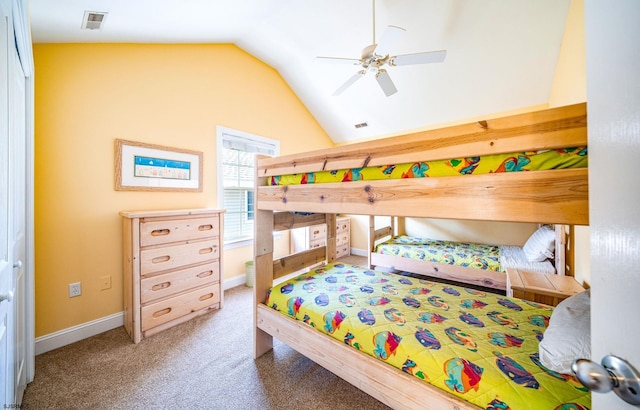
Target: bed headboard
<point>553,196</point>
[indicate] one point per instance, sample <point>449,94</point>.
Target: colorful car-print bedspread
<point>481,347</point>
<point>471,255</point>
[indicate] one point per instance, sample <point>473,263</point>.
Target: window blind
<point>237,179</point>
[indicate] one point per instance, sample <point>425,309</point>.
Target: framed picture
<point>148,167</point>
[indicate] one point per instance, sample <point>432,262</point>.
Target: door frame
<point>22,31</point>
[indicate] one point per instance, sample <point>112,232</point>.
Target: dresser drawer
<point>342,238</point>
<point>167,284</point>
<point>176,256</point>
<point>317,232</point>
<point>317,243</point>
<point>342,226</point>
<point>155,232</point>
<point>342,250</point>
<point>167,310</point>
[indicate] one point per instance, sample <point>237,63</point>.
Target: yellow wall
<point>87,95</point>
<point>570,81</point>
<point>570,87</point>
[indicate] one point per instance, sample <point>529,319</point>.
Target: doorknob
<point>18,264</point>
<point>6,296</point>
<point>614,374</point>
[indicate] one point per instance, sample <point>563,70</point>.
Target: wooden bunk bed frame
<point>555,196</point>
<point>456,273</point>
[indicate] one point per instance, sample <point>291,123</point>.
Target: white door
<point>17,237</point>
<point>613,110</point>
<point>13,321</point>
<point>6,246</point>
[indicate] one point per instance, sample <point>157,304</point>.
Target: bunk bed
<point>556,196</point>
<point>472,263</point>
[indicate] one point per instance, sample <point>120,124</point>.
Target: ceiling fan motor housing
<point>370,60</point>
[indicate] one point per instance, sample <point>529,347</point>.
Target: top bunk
<point>554,193</point>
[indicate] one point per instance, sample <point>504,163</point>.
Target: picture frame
<point>149,167</point>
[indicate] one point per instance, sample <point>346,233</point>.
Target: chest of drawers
<point>172,262</point>
<point>316,236</point>
<point>343,234</point>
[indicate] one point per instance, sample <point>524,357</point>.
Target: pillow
<point>541,244</point>
<point>568,336</point>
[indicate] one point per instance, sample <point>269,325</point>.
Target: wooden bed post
<point>561,247</point>
<point>263,264</point>
<point>331,238</point>
<point>372,238</point>
<point>570,247</point>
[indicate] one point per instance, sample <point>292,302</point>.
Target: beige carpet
<point>205,363</point>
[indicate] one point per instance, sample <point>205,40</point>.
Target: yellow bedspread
<point>575,157</point>
<point>469,255</point>
<point>479,346</point>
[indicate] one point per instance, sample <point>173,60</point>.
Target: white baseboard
<point>76,333</point>
<point>234,281</point>
<point>359,252</point>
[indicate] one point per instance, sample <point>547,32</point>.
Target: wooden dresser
<point>343,237</point>
<point>172,267</point>
<point>316,236</point>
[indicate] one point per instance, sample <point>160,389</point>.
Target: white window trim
<point>230,133</point>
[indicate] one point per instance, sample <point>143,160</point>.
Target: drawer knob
<point>205,297</point>
<point>161,286</point>
<point>205,274</point>
<point>160,259</point>
<point>205,227</point>
<point>160,232</point>
<point>161,312</point>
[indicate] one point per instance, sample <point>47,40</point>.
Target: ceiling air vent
<point>362,125</point>
<point>93,20</point>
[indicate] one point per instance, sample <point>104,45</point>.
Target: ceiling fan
<point>376,56</point>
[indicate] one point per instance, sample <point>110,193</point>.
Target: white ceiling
<point>502,54</point>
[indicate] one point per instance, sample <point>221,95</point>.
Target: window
<point>236,153</point>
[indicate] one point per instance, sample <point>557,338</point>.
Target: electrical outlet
<point>75,289</point>
<point>105,282</point>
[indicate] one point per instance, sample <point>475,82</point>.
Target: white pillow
<point>568,336</point>
<point>541,244</point>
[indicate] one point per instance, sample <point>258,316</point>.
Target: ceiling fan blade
<point>385,83</point>
<point>419,58</point>
<point>350,82</point>
<point>338,60</point>
<point>389,38</point>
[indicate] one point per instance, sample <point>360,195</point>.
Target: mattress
<point>479,346</point>
<point>574,157</point>
<point>471,255</point>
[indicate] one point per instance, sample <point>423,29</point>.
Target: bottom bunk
<point>413,343</point>
<point>477,264</point>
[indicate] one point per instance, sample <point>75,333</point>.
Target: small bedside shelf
<point>540,287</point>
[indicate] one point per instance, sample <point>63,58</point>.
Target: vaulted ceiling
<point>501,54</point>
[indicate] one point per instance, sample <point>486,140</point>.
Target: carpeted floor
<point>205,363</point>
